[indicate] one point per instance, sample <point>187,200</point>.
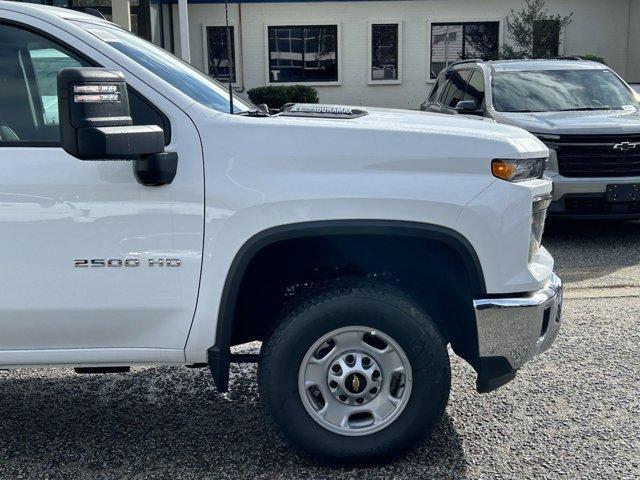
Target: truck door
<point>135,298</point>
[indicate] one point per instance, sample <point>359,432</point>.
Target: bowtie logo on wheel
<point>356,383</point>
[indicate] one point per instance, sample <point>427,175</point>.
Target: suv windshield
<point>169,68</point>
<point>560,90</point>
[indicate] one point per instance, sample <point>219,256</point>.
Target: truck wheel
<point>355,372</point>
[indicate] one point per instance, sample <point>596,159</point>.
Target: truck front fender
<point>218,355</point>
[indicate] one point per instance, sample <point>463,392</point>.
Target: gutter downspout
<point>162,23</point>
<point>183,29</point>
<point>121,13</point>
<point>240,45</point>
<point>628,43</point>
<point>172,41</point>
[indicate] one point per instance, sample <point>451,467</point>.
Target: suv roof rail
<point>89,11</point>
<point>565,58</point>
<point>467,60</point>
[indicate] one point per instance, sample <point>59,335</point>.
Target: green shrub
<point>303,94</point>
<point>277,96</point>
<point>593,58</point>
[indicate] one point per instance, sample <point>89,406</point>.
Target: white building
<point>370,52</point>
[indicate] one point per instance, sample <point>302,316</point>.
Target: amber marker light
<point>503,169</point>
<point>518,170</point>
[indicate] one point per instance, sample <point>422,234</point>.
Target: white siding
<point>599,27</point>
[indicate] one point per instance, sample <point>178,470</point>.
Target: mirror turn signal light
<point>96,93</point>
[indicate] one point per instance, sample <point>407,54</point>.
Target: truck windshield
<point>168,67</point>
<point>560,90</point>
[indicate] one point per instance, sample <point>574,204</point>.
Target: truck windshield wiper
<point>253,113</point>
<point>584,109</point>
<point>524,111</point>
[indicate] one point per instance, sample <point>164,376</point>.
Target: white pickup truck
<point>144,224</point>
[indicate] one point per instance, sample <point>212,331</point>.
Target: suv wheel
<point>355,371</point>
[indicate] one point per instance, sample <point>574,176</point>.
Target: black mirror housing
<point>120,142</point>
<point>468,107</point>
<point>95,121</point>
<point>96,124</point>
<point>155,170</point>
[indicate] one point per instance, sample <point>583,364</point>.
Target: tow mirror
<point>468,107</point>
<point>96,124</point>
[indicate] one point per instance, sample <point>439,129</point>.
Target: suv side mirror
<point>468,107</point>
<point>96,124</point>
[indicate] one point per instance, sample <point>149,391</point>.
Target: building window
<point>546,38</point>
<point>451,42</point>
<point>303,54</point>
<point>218,65</point>
<point>385,52</point>
<point>140,21</point>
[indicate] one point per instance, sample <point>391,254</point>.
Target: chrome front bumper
<point>519,328</point>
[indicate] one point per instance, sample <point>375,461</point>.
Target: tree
<point>482,42</point>
<point>276,96</point>
<point>534,32</point>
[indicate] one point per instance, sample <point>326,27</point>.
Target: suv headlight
<point>538,217</point>
<point>518,170</point>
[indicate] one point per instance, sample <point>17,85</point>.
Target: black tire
<point>344,303</point>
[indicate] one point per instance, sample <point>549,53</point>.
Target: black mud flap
<point>219,366</point>
<point>493,373</point>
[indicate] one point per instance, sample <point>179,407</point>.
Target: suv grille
<point>594,155</point>
<point>598,205</point>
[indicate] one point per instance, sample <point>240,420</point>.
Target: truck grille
<point>594,155</point>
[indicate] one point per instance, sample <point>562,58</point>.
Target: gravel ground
<point>571,413</point>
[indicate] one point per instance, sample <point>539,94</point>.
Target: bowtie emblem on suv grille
<point>625,146</point>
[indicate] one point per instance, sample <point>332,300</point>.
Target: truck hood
<point>355,144</point>
<point>470,132</point>
<point>559,123</point>
<point>353,162</point>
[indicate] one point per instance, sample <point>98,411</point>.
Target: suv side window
<point>475,89</point>
<point>434,92</point>
<point>29,66</point>
<point>454,91</point>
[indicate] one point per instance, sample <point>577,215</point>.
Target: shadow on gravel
<point>169,423</point>
<point>590,249</point>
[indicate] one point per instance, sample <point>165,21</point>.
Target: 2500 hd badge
<point>126,262</point>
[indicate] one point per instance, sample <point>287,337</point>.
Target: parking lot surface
<point>571,413</point>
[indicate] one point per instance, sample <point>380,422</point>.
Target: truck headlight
<point>538,217</point>
<point>518,170</point>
